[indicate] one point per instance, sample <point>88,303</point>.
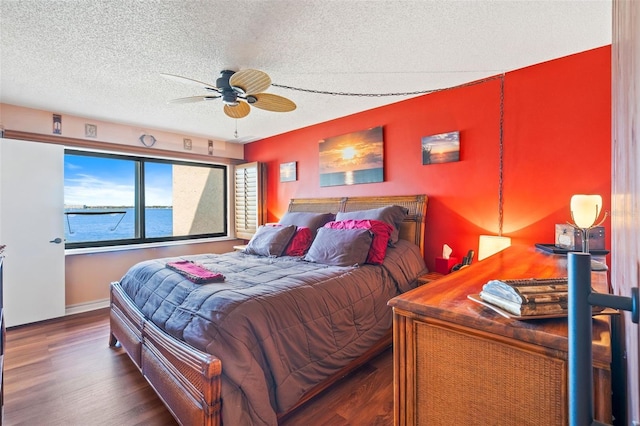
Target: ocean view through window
<point>115,199</point>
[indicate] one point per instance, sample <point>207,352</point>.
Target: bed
<point>208,361</point>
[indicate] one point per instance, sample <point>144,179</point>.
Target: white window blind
<point>250,199</point>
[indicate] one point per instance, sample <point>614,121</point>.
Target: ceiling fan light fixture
<point>233,87</point>
<point>229,97</point>
<point>223,81</point>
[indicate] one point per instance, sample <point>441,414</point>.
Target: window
<point>115,199</point>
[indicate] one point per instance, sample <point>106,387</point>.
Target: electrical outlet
<point>187,144</point>
<point>210,147</point>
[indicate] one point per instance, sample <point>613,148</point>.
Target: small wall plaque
<point>91,130</point>
<point>57,124</point>
<point>147,140</point>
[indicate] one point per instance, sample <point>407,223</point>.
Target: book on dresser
<point>529,297</point>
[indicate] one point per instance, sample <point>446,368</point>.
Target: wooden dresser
<point>458,362</point>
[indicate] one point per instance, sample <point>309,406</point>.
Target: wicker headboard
<point>412,229</point>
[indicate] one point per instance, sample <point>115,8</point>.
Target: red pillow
<point>300,242</point>
<point>381,233</point>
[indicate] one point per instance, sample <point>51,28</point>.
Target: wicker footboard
<point>186,379</point>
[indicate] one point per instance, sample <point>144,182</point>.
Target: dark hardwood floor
<point>62,372</point>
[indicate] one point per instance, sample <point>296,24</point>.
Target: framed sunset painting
<point>441,148</point>
<point>353,158</point>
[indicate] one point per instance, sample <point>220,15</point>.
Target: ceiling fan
<point>238,91</point>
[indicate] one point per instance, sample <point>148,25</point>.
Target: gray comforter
<point>279,325</point>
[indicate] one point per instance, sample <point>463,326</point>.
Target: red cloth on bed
<point>300,242</point>
<point>194,272</point>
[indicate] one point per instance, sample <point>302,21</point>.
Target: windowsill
<point>124,247</point>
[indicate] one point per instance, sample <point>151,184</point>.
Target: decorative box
<point>444,266</point>
<point>570,238</point>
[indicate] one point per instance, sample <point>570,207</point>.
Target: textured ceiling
<point>103,59</point>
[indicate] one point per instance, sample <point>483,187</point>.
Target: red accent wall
<point>557,142</point>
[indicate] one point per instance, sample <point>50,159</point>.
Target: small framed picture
<point>91,131</point>
<point>441,148</point>
<point>353,158</point>
<point>288,172</point>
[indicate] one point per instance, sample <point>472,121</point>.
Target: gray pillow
<point>340,247</point>
<point>313,221</point>
<point>270,240</point>
<point>393,215</point>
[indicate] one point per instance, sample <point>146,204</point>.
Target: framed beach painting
<point>352,158</point>
<point>441,148</point>
<point>288,172</point>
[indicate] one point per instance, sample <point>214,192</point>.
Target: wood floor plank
<point>62,372</point>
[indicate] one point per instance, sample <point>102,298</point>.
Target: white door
<point>31,221</point>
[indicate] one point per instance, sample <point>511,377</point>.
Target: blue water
<point>83,228</point>
<point>352,177</point>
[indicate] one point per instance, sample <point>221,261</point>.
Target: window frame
<point>139,202</point>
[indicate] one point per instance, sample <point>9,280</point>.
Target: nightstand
<point>428,277</point>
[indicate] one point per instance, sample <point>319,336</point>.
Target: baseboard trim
<point>86,307</point>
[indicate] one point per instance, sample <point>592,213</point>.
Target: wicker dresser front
<point>458,362</point>
<point>485,381</point>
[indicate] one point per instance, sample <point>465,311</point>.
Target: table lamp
<point>585,210</point>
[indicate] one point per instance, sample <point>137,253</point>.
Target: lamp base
<point>570,238</point>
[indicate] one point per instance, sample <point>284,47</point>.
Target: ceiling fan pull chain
<point>235,134</point>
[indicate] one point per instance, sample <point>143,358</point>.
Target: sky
<point>103,181</point>
<point>444,142</point>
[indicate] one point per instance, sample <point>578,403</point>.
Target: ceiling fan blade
<point>239,111</point>
<point>271,102</point>
<point>191,81</point>
<point>191,99</point>
<point>251,81</point>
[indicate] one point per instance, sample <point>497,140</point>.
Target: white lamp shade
<point>492,244</point>
<point>585,209</point>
